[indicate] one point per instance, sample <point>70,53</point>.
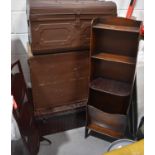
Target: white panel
<point>12,24</point>
<point>19,43</point>
<point>138,14</point>
<point>18,5</point>
<point>19,22</point>
<point>140,80</point>
<point>123,4</point>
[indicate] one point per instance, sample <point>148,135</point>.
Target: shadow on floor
<point>18,148</point>
<point>57,143</point>
<point>101,136</point>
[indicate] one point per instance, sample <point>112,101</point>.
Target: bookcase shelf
<point>115,58</point>
<point>111,86</point>
<point>113,55</point>
<point>116,28</point>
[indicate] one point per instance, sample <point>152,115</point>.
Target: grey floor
<point>71,142</point>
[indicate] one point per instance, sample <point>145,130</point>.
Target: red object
<point>15,104</point>
<point>130,8</point>
<point>129,14</point>
<point>142,30</point>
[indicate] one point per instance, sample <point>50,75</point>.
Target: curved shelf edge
<point>112,87</point>
<point>113,125</point>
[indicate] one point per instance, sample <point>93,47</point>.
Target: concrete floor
<point>71,142</point>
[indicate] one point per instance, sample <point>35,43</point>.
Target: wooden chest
<point>59,81</point>
<point>58,25</point>
<point>59,35</point>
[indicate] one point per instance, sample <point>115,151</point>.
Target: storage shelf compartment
<point>111,86</point>
<point>113,125</point>
<point>115,58</point>
<point>116,27</point>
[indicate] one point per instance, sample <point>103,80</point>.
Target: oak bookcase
<point>113,56</point>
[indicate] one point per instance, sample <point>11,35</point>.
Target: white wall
<point>19,21</point>
<point>122,6</point>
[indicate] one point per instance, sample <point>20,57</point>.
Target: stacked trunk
<point>59,40</point>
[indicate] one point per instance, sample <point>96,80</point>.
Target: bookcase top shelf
<point>111,86</point>
<point>117,24</point>
<point>115,58</point>
<point>116,28</point>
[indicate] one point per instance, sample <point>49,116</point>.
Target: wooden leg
<point>45,139</point>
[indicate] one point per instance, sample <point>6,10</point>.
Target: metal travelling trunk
<point>64,25</point>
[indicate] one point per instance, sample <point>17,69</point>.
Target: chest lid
<point>55,7</point>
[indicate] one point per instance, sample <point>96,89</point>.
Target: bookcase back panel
<point>116,42</point>
<point>113,70</point>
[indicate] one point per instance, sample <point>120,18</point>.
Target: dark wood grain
<point>108,102</point>
<point>59,80</point>
<point>106,123</point>
<point>112,70</point>
<point>62,121</point>
<point>111,86</point>
<point>115,58</point>
<point>116,42</point>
